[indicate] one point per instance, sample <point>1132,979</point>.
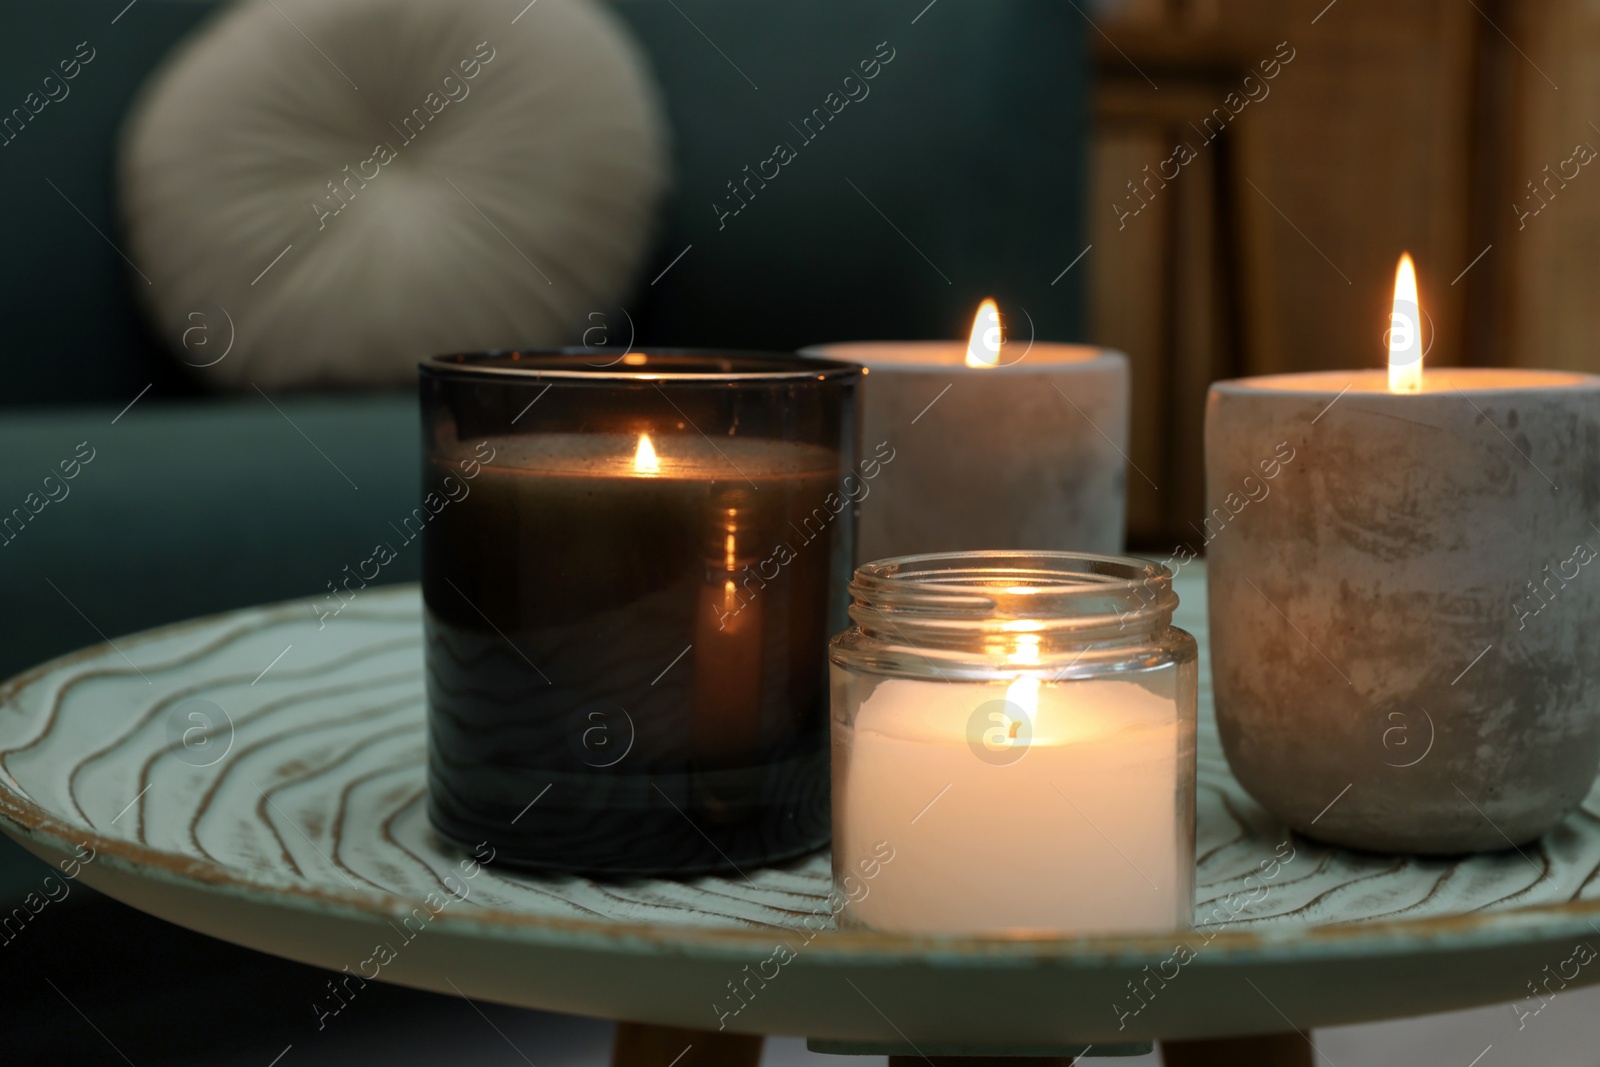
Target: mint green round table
<point>259,777</point>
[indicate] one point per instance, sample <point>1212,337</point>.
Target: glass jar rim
<point>1013,591</point>
<point>652,364</point>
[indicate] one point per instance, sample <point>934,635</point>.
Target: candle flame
<point>1024,692</point>
<point>644,458</point>
<point>1405,331</point>
<point>983,346</point>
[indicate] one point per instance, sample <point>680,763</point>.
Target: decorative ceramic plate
<point>259,776</point>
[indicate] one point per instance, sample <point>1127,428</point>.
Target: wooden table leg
<point>1266,1050</point>
<point>647,1045</point>
<point>982,1061</point>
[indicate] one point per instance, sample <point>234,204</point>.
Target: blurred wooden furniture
<point>980,1061</point>
<point>1420,127</point>
<point>1272,1050</point>
<point>645,1045</point>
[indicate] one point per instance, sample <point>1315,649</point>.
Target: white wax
<point>1079,835</point>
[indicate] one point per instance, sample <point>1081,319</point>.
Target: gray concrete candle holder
<point>1025,455</point>
<point>1404,602</point>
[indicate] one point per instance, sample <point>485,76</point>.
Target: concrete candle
<point>1403,600</point>
<point>998,444</point>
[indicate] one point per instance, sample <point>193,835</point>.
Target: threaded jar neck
<point>951,598</point>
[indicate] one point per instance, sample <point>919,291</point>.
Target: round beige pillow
<point>354,185</point>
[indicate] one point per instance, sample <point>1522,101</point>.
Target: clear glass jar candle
<point>1014,746</point>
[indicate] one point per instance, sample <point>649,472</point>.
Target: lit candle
<point>998,441</point>
<point>628,595</point>
<point>1400,595</point>
<point>1030,774</point>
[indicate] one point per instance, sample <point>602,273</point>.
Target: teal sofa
<point>972,142</point>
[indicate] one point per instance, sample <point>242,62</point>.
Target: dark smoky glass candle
<point>632,564</point>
